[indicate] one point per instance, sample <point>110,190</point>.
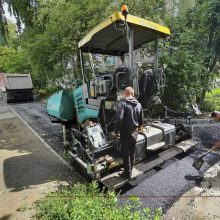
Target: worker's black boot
<point>125,175</point>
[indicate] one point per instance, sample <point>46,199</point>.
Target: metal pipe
<point>79,133</point>
<point>84,151</point>
<point>82,66</point>
<point>92,64</point>
<point>104,118</point>
<point>78,159</point>
<point>156,54</point>
<point>64,134</point>
<point>131,50</point>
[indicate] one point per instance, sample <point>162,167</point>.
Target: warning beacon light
<point>124,10</point>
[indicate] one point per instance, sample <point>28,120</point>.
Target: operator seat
<point>147,87</point>
<point>124,79</point>
<point>124,69</point>
<point>118,69</point>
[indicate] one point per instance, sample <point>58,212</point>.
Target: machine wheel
<point>30,96</point>
<point>30,99</point>
<point>5,97</point>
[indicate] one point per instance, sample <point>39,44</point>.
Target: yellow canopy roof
<point>106,38</point>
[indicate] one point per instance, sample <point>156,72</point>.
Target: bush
<point>212,100</point>
<point>44,93</point>
<point>84,202</point>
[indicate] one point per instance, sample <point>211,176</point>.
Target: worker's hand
<point>91,124</point>
<point>217,145</point>
<point>114,135</point>
<point>141,128</point>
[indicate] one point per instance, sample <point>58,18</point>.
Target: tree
<point>13,61</point>
<point>23,10</point>
<point>54,28</point>
<point>53,41</point>
<point>153,10</point>
<point>13,57</point>
<point>192,54</point>
<point>209,30</point>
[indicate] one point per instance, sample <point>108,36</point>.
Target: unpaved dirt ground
<point>176,186</point>
<point>28,168</point>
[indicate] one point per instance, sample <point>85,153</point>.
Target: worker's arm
<point>119,116</point>
<point>217,145</point>
<point>141,117</point>
<point>215,115</point>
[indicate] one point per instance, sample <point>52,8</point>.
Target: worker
<point>129,119</point>
<point>215,115</point>
<point>217,145</point>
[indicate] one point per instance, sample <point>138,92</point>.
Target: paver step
<point>156,146</point>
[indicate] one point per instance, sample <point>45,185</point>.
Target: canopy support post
<point>82,66</point>
<point>156,54</point>
<point>131,56</point>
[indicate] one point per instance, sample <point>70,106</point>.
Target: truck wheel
<point>5,97</point>
<point>30,99</point>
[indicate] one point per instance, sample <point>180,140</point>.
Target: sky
<point>11,17</point>
<point>7,14</point>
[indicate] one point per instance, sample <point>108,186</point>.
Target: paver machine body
<point>88,112</point>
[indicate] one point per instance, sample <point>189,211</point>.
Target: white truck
<point>16,87</point>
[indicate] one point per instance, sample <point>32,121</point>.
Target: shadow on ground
<point>27,162</point>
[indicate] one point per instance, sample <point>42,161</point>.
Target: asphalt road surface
<point>160,187</point>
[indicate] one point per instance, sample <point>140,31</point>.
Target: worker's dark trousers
<point>128,148</point>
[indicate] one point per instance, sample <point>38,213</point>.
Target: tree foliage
<point>52,43</point>
<point>192,55</point>
<point>52,30</point>
<point>59,26</point>
<point>153,10</point>
<point>13,61</point>
<point>24,12</point>
<point>13,58</point>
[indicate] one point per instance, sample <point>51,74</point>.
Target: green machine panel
<point>60,105</point>
<point>83,112</point>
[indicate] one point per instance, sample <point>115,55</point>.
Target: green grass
<point>212,100</point>
<point>86,202</point>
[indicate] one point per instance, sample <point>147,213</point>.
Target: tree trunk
<point>200,99</point>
